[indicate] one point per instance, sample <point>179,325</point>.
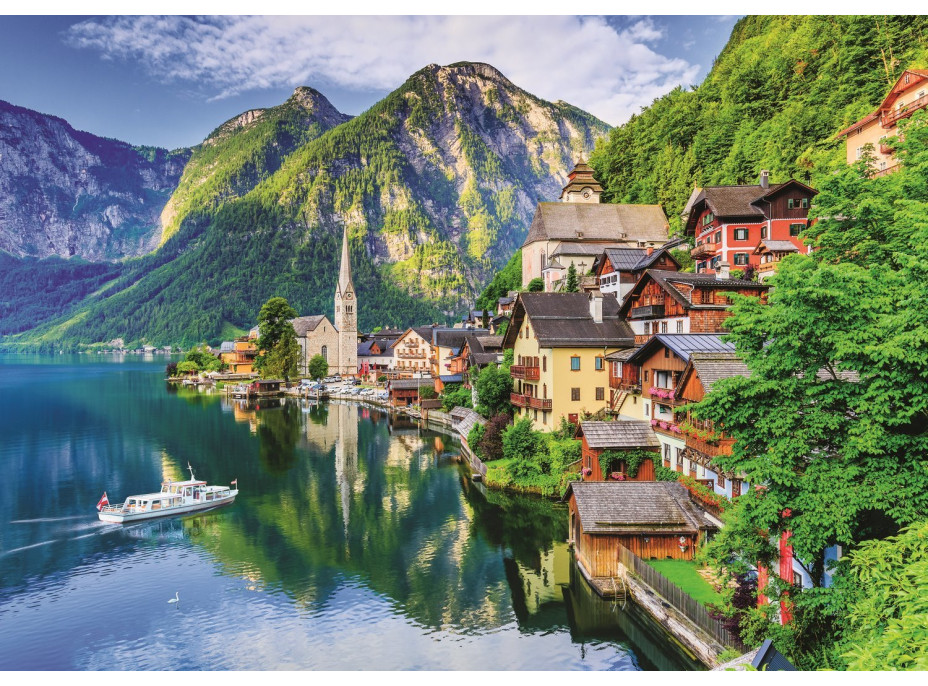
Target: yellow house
<point>239,355</point>
<point>907,96</point>
<point>560,342</point>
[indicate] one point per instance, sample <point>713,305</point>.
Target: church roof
<point>344,272</point>
<point>304,325</point>
<point>595,222</point>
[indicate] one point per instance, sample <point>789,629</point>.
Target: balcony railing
<point>518,399</point>
<point>890,118</point>
<point>539,403</point>
<point>627,385</point>
<point>712,449</point>
<point>521,371</point>
<point>705,250</point>
<point>648,311</point>
<point>764,267</point>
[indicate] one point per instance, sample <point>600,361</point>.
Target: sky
<point>170,80</point>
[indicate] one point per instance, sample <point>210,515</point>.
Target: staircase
<point>617,400</point>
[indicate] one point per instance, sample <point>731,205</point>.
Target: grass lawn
<point>683,574</point>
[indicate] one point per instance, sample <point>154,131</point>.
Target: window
<point>718,237</point>
<point>600,393</point>
<point>716,261</point>
<point>544,363</point>
<point>645,374</point>
<point>667,451</point>
<point>679,326</point>
<point>536,416</point>
<point>679,455</point>
<point>805,203</point>
<point>859,153</point>
<point>663,379</point>
<point>763,233</point>
<point>735,488</point>
<point>575,364</point>
<point>796,229</point>
<point>708,218</point>
<point>741,258</point>
<point>797,579</point>
<point>325,353</point>
<point>544,390</point>
<point>599,364</point>
<point>575,394</point>
<point>663,327</point>
<point>348,309</point>
<point>741,234</point>
<point>721,480</point>
<point>790,204</point>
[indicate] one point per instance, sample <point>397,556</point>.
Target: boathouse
<point>653,519</point>
<point>624,437</point>
<point>405,392</point>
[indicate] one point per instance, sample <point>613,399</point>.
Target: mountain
<point>774,99</point>
<point>69,193</point>
<point>436,184</point>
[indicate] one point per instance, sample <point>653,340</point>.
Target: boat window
<point>156,505</point>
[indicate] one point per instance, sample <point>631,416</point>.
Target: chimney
<point>596,306</point>
<point>650,250</point>
<point>723,271</point>
<point>765,179</point>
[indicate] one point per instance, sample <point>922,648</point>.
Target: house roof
<point>577,248</point>
<point>409,384</point>
<point>563,320</point>
<point>592,222</point>
<point>453,338</point>
<point>712,366</point>
<point>458,413</point>
<point>468,421</point>
<point>303,325</point>
<point>742,201</point>
<point>776,246</point>
<point>451,378</point>
<point>622,434</point>
<point>621,355</point>
<point>682,345</point>
<point>634,259</point>
<point>628,507</point>
<point>227,346</point>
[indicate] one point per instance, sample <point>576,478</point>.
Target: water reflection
<point>354,530</point>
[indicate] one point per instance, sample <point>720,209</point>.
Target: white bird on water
<point>176,598</point>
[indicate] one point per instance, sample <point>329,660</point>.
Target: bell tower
<point>346,315</point>
<point>581,186</point>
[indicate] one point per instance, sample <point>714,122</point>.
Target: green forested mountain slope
<point>775,97</point>
<point>436,185</point>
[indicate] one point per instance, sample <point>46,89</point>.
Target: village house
<point>618,269</point>
<point>374,358</point>
<point>622,437</point>
<point>559,342</point>
<point>682,302</point>
<point>661,362</point>
<point>704,442</point>
<point>579,227</point>
<point>239,355</point>
<point>769,254</point>
<point>407,392</point>
<point>728,222</point>
<point>908,95</point>
<point>446,346</point>
<point>478,351</point>
<point>412,353</point>
<point>652,519</point>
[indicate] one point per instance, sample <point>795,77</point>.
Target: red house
<point>728,222</point>
<point>621,436</point>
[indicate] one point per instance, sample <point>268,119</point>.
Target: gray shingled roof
<point>409,384</point>
<point>712,366</point>
<point>467,423</point>
<point>302,325</point>
<point>458,413</point>
<point>628,507</point>
<point>779,246</point>
<point>563,319</point>
<point>622,355</point>
<point>683,345</point>
<point>622,433</point>
<point>597,222</point>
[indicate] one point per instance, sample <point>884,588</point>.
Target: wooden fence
<point>682,601</point>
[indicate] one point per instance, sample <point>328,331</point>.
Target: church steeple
<point>346,314</point>
<point>344,272</point>
<point>581,186</point>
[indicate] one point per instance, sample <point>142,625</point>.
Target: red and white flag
<point>103,501</point>
<point>235,482</point>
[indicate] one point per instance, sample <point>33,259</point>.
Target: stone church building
<point>338,342</point>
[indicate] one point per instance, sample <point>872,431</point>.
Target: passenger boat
<point>175,497</point>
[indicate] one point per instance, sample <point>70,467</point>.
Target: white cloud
<point>608,72</point>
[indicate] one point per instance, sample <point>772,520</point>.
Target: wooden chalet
<point>265,387</point>
<point>620,436</point>
<point>477,352</point>
<point>704,442</point>
<point>405,392</point>
<point>678,302</point>
<point>653,519</point>
<point>617,270</point>
<point>624,384</point>
<point>769,254</point>
<point>727,222</point>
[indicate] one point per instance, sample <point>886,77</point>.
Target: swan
<point>176,598</point>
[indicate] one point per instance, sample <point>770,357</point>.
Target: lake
<point>356,542</point>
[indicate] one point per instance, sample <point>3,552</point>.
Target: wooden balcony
<point>701,252</point>
<point>891,117</point>
<point>539,403</point>
<point>765,267</point>
<point>648,311</point>
<point>518,399</point>
<point>520,371</point>
<point>627,385</point>
<point>714,449</point>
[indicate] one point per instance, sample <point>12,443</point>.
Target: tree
<point>279,350</point>
<point>493,388</point>
<point>455,395</point>
<point>573,282</point>
<point>204,360</point>
<point>833,421</point>
<point>317,368</point>
<point>491,441</point>
<point>427,393</point>
<point>536,285</point>
<point>522,444</point>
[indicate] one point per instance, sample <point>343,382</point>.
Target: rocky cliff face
<point>68,193</point>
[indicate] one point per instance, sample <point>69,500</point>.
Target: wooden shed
<point>405,392</point>
<point>622,435</point>
<point>653,519</point>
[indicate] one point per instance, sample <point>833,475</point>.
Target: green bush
<point>662,473</point>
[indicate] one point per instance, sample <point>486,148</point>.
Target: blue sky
<point>169,81</point>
